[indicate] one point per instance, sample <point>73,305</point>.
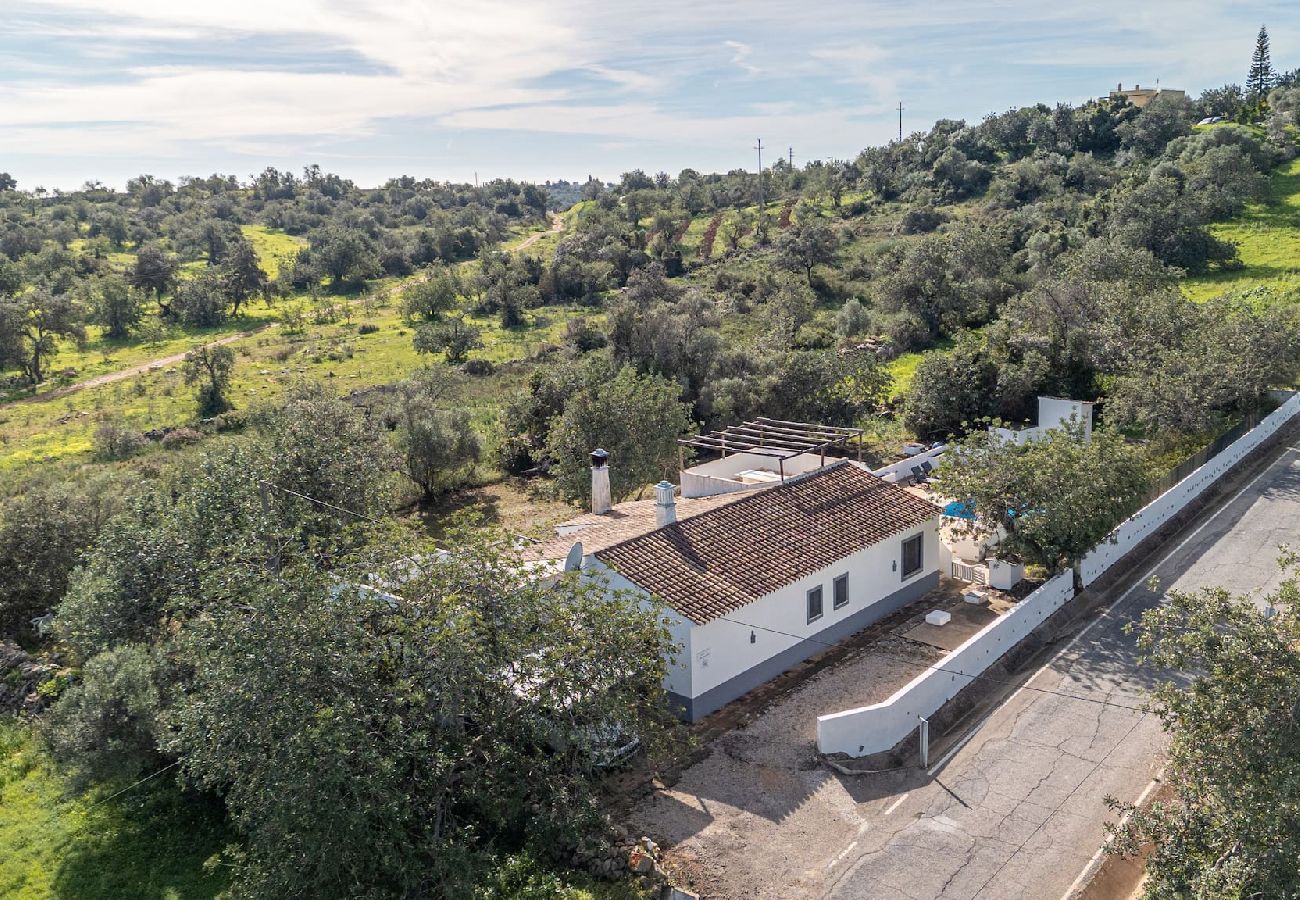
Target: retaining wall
<point>882,726</point>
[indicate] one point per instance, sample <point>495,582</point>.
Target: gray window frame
<point>919,539</point>
<point>836,603</point>
<point>821,603</point>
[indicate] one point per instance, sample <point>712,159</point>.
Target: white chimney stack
<point>601,501</point>
<point>665,504</point>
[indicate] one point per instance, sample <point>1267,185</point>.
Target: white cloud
<point>740,54</point>
<point>654,69</point>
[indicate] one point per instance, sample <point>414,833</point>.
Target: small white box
<point>973,597</point>
<point>938,617</point>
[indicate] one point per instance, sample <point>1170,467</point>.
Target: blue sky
<point>107,89</point>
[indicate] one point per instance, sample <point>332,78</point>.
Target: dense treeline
<point>1046,243</point>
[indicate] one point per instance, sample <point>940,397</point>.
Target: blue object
<point>959,510</point>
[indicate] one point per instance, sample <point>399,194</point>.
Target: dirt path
<point>123,374</point>
<point>557,225</point>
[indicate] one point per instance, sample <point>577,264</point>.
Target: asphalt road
<point>1018,810</point>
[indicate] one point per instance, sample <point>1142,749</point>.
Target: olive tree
<point>210,367</point>
<point>1051,499</point>
<point>1227,698</point>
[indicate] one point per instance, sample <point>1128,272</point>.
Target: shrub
<point>478,367</point>
<point>367,328</point>
<point>181,437</point>
<point>113,442</point>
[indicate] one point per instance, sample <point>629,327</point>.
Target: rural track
<point>557,225</point>
<point>130,372</point>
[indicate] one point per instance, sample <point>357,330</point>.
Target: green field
<point>1267,235</point>
<point>151,842</point>
<point>272,246</point>
<point>268,364</point>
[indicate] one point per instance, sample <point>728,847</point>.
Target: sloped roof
<point>625,521</point>
<point>725,558</point>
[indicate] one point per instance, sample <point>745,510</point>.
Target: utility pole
<point>791,159</point>
<point>762,206</point>
<point>900,121</point>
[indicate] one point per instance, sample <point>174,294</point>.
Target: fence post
<point>925,742</point>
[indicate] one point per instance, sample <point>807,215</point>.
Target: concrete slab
<point>967,618</point>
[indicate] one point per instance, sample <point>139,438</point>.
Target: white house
<point>759,579</point>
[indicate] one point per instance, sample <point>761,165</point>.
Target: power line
<point>914,662</point>
<point>133,786</point>
<point>324,503</point>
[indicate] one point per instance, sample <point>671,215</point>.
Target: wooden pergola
<point>775,438</point>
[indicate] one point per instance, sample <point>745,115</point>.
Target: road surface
<point>1018,810</point>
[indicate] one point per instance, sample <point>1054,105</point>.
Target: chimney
<point>665,504</point>
<point>600,496</point>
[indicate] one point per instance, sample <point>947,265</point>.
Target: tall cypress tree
<point>1261,76</point>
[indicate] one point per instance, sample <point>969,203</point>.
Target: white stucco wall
<point>711,478</point>
<point>902,470</point>
<point>877,728</point>
<point>678,679</point>
<point>721,649</point>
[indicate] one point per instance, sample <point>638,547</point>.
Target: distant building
<point>1140,96</point>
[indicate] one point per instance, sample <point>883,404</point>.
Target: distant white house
<point>1053,412</point>
<point>759,578</point>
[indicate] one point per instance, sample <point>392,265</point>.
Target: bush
<point>478,367</point>
<point>181,437</point>
<point>921,220</point>
<point>114,442</point>
<point>367,328</point>
<point>105,726</point>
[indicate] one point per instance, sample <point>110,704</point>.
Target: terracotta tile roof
<point>624,521</point>
<point>719,560</point>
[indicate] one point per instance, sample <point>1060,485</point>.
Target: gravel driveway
<point>760,817</point>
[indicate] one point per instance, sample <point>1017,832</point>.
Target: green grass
<point>902,368</point>
<point>151,842</point>
<point>1267,235</point>
<point>272,246</point>
<point>266,366</point>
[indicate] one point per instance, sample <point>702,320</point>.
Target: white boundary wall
<point>880,727</point>
<point>1132,531</point>
<point>875,729</point>
<point>902,470</point>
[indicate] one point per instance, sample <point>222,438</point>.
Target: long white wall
<point>877,728</point>
<point>1132,531</point>
<point>880,727</point>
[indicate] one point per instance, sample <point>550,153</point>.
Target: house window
<point>840,592</point>
<point>912,556</point>
<point>815,604</point>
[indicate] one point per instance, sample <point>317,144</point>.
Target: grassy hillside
<point>1267,235</point>
<point>54,842</point>
<point>267,364</point>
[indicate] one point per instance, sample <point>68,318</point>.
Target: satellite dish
<point>573,562</point>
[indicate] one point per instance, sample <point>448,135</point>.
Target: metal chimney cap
<point>599,457</point>
<point>666,485</point>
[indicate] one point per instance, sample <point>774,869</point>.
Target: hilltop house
<point>1140,96</point>
<point>761,575</point>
